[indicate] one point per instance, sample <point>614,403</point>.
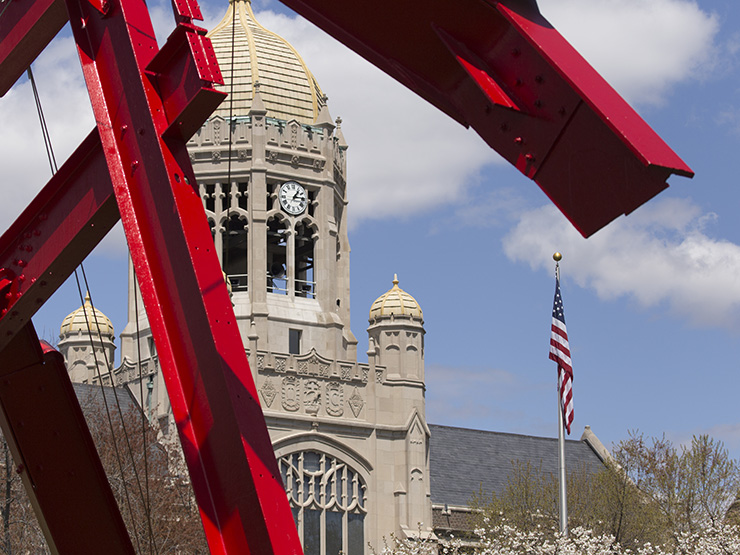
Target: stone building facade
<point>351,438</point>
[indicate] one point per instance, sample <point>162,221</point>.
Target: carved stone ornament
<point>260,362</point>
<point>272,156</point>
<point>312,397</point>
<point>291,395</point>
<point>268,391</point>
<point>365,372</point>
<point>303,367</point>
<point>217,132</point>
<point>295,160</point>
<point>242,154</point>
<point>279,364</point>
<point>346,372</point>
<point>324,369</point>
<point>379,375</point>
<point>356,403</point>
<point>334,399</point>
<point>294,127</point>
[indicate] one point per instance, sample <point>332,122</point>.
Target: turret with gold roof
<point>395,303</point>
<point>87,343</point>
<point>397,332</point>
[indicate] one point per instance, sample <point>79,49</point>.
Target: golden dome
<point>84,316</point>
<point>397,303</point>
<point>287,87</point>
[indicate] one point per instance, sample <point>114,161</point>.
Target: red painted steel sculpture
<point>497,66</point>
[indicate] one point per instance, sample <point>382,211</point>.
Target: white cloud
<point>68,116</point>
<point>642,47</point>
<point>660,254</point>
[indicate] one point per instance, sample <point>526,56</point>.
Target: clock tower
<point>271,167</point>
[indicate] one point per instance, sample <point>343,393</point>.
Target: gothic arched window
<point>277,256</point>
<point>234,255</point>
<point>226,207</point>
<point>305,283</point>
<point>328,501</point>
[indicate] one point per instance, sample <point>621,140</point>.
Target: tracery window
<point>328,500</point>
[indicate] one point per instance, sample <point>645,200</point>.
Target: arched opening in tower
<point>277,258</point>
<point>234,255</point>
<point>305,283</point>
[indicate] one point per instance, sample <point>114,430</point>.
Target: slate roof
<point>92,395</point>
<point>462,460</point>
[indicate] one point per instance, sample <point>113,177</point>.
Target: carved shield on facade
<point>312,397</point>
<point>334,399</point>
<point>291,397</point>
<point>268,391</point>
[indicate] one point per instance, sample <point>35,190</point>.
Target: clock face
<point>293,197</point>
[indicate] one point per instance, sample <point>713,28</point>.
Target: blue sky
<point>652,302</point>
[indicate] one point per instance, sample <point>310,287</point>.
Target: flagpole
<point>563,498</point>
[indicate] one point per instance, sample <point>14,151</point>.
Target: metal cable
<point>119,459</point>
<point>54,169</point>
<point>42,121</point>
<point>6,6</point>
<point>109,366</point>
<point>144,418</point>
<point>232,125</point>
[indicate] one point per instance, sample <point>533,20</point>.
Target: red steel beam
<point>54,234</point>
<point>26,27</point>
<point>54,453</point>
<point>214,400</point>
<point>502,69</point>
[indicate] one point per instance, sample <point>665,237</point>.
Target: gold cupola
<point>288,89</point>
<point>86,317</point>
<point>395,303</point>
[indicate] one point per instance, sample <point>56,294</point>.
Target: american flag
<point>560,353</point>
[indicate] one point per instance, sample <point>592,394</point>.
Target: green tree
<point>693,486</point>
<point>648,492</point>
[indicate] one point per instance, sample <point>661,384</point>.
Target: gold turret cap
<point>288,89</point>
<point>395,303</point>
<point>84,316</point>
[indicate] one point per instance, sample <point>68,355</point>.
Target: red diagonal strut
<point>147,104</point>
<point>25,30</point>
<point>213,397</point>
<point>54,452</point>
<point>499,67</point>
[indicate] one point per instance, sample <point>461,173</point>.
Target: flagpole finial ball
<point>557,257</point>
